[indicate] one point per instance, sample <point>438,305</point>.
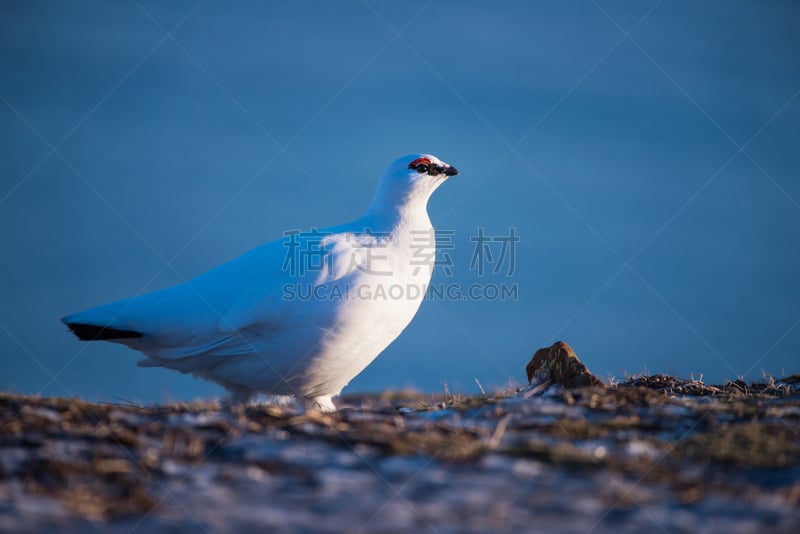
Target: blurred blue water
<point>625,150</point>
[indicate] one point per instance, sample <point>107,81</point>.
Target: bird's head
<point>417,174</point>
<point>408,182</point>
<point>421,168</point>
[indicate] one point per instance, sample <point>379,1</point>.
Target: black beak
<point>451,171</point>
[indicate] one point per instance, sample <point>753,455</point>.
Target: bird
<point>298,316</point>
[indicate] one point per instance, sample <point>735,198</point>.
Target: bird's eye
<point>421,165</point>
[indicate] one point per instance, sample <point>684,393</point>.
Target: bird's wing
<point>269,293</point>
<point>311,266</point>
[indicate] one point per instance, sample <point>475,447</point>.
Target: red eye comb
<point>419,161</point>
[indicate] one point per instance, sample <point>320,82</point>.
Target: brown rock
<point>563,366</point>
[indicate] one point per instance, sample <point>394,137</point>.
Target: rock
<point>563,366</point>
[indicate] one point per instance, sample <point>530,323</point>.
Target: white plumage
<point>298,316</point>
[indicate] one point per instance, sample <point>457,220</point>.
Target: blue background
<point>646,153</point>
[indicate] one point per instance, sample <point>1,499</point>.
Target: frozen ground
<point>652,455</point>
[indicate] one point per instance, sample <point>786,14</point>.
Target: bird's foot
<point>238,398</point>
<point>323,404</point>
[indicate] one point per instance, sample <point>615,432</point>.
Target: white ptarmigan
<point>300,316</point>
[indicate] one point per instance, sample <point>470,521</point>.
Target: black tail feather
<point>90,332</point>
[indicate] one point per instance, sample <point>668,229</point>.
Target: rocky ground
<point>652,454</point>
